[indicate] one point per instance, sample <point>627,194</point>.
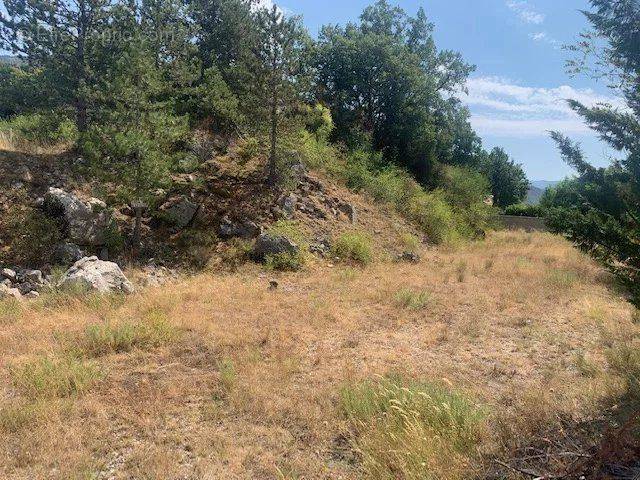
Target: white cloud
<point>544,37</point>
<point>268,4</point>
<point>525,12</point>
<point>502,107</point>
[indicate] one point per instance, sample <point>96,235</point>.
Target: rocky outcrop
<point>180,211</point>
<point>94,274</point>
<point>18,283</point>
<point>267,244</point>
<point>66,254</point>
<point>86,223</point>
<point>241,229</point>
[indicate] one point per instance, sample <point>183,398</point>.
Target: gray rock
<point>350,211</point>
<point>98,275</point>
<point>409,257</point>
<point>32,295</point>
<point>288,204</point>
<point>9,274</point>
<point>87,222</point>
<point>180,211</point>
<point>6,282</point>
<point>244,229</point>
<point>33,276</point>
<point>272,245</point>
<point>66,254</point>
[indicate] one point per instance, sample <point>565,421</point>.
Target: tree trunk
<point>273,167</point>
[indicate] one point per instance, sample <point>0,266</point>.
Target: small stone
<point>409,257</point>
<point>31,295</point>
<point>8,274</point>
<point>273,285</point>
<point>350,211</point>
<point>34,276</point>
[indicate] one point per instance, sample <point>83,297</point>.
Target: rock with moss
<point>271,244</point>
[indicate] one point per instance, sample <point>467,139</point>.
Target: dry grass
<point>248,382</point>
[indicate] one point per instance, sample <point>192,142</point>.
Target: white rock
<point>98,275</point>
<point>87,221</point>
<point>32,295</point>
<point>6,292</point>
<point>8,274</point>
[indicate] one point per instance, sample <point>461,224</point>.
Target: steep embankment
<point>221,376</point>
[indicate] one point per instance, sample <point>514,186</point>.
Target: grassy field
<point>457,367</point>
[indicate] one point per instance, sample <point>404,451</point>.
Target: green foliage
<point>288,261</point>
<point>411,299</point>
<point>249,149</point>
<point>599,210</point>
<point>30,236</point>
<point>285,261</point>
<point>107,338</point>
<point>624,360</point>
<point>45,128</point>
<point>48,377</point>
<point>508,181</point>
<point>467,191</point>
<point>355,247</point>
<point>524,210</point>
<point>212,100</point>
<point>410,242</point>
<point>411,430</point>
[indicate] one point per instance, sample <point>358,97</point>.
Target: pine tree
<point>600,209</point>
<point>278,72</point>
<point>62,37</point>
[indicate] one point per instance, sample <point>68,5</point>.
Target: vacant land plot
<point>455,367</point>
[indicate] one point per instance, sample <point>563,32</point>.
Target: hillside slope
<point>221,376</point>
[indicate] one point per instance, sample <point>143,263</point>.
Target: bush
<point>45,128</point>
<point>285,261</point>
<point>524,210</point>
<point>355,247</point>
<point>48,377</point>
<point>30,236</point>
<point>411,430</point>
<point>103,339</point>
<point>413,300</point>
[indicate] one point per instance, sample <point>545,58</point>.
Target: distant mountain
<point>537,189</point>
<point>534,195</point>
<point>544,184</point>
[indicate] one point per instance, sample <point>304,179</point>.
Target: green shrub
<point>524,210</point>
<point>249,149</point>
<point>30,236</point>
<point>411,430</point>
<point>107,338</point>
<point>433,215</point>
<point>285,261</point>
<point>355,247</point>
<point>48,377</point>
<point>413,300</point>
<point>45,128</point>
<point>410,242</point>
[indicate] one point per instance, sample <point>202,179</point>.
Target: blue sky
<point>516,94</point>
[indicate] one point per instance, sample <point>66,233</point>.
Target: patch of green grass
<point>151,332</point>
<point>411,299</point>
<point>228,375</point>
<point>355,247</point>
<point>50,377</point>
<point>411,430</point>
<point>624,360</point>
<point>285,261</point>
<point>562,278</point>
<point>410,242</point>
